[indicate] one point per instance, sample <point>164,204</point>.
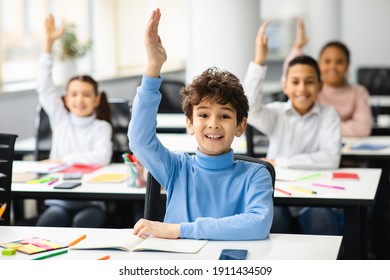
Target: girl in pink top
<point>351,101</point>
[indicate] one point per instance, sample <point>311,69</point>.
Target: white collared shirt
<point>311,141</point>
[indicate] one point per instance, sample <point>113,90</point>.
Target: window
<point>116,28</point>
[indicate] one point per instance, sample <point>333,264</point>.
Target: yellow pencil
<point>302,190</point>
<point>2,209</point>
<point>74,242</point>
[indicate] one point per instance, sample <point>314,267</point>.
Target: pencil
<point>311,176</point>
<point>52,182</point>
<point>2,209</point>
<point>51,255</point>
<point>328,186</point>
<point>74,242</point>
<point>302,190</point>
<point>283,191</point>
<point>104,258</point>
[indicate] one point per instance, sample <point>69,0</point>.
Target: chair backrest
<point>121,116</point>
<point>375,79</point>
<point>7,149</point>
<point>155,202</point>
<point>171,96</point>
<point>42,134</point>
<point>254,138</point>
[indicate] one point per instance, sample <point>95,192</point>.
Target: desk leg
<point>355,233</point>
<point>379,217</point>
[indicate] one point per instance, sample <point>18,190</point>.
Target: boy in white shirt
<point>303,134</point>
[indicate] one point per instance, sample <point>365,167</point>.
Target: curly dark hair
<point>220,86</point>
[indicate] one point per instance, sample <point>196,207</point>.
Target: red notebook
<point>83,168</point>
<point>345,175</point>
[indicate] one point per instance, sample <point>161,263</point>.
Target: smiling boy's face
<point>302,87</point>
<point>214,126</point>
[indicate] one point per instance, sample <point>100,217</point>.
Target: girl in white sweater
<point>82,133</point>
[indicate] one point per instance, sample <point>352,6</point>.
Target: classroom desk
<point>88,190</point>
<point>277,247</point>
<point>358,194</point>
<point>378,159</point>
<point>354,201</point>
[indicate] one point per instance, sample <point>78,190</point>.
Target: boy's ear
<point>189,126</point>
<point>241,127</point>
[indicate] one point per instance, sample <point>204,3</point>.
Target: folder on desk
<point>108,178</point>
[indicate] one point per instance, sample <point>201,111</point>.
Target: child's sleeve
<point>361,122</point>
<point>260,116</point>
<point>48,95</point>
<point>143,141</point>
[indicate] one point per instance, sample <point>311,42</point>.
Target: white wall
<point>364,26</point>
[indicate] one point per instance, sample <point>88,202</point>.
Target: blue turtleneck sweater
<point>212,197</point>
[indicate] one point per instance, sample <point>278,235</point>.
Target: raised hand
<point>300,35</point>
<point>51,32</point>
<point>261,44</point>
<point>154,48</point>
<point>145,228</point>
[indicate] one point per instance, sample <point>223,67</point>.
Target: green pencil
<point>51,255</point>
<point>311,176</point>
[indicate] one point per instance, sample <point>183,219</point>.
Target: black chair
<point>42,134</point>
<point>254,139</point>
<point>171,97</point>
<point>121,116</point>
<point>375,79</point>
<point>155,202</point>
<point>7,149</point>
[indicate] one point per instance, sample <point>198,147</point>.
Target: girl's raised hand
<point>51,32</point>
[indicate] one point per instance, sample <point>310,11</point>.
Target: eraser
<point>8,252</point>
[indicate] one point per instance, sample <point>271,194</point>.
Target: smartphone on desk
<point>67,185</point>
<point>233,254</point>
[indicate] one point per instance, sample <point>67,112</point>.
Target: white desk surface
<point>277,247</point>
<point>171,121</point>
<point>363,189</point>
<point>86,187</point>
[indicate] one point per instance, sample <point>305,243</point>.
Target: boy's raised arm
<point>261,44</point>
<point>154,48</point>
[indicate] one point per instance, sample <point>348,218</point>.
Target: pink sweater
<point>350,101</point>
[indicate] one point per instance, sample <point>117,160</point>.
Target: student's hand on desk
<point>261,44</point>
<point>145,228</point>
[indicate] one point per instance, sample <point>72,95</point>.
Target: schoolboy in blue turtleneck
<point>209,194</point>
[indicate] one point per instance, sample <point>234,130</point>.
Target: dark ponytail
<point>103,111</point>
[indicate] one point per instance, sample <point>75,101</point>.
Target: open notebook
<point>124,239</point>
